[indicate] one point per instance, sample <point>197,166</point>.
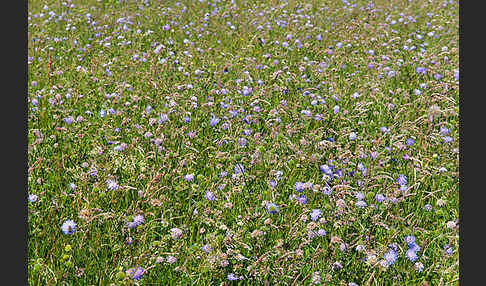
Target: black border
<point>14,212</point>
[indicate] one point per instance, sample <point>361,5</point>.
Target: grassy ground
<point>356,100</point>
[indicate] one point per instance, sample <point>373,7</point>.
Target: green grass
<point>262,248</point>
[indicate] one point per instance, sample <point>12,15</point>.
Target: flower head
<point>410,240</point>
<point>361,204</point>
<point>206,248</point>
<point>411,255</point>
<point>380,198</point>
<point>419,266</point>
<point>135,273</point>
<point>315,214</point>
<point>112,185</point>
<point>176,233</point>
<point>171,259</point>
<point>401,180</point>
<point>214,120</point>
<point>32,198</point>
<point>390,257</point>
<point>68,227</point>
<point>209,196</point>
<point>272,208</point>
<point>239,169</point>
<point>302,199</point>
<point>299,186</point>
<point>189,177</point>
<point>232,277</point>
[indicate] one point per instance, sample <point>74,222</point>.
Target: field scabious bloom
<point>232,277</point>
<point>176,233</point>
<point>299,186</point>
<point>137,220</point>
<point>272,208</point>
<point>315,214</point>
<point>321,232</point>
<point>411,255</point>
<point>135,273</point>
<point>206,248</point>
<point>209,196</point>
<point>32,198</point>
<point>390,257</point>
<point>419,266</point>
<point>361,204</point>
<point>380,198</point>
<point>189,177</point>
<point>112,185</point>
<point>410,240</point>
<point>239,169</point>
<point>68,227</point>
<point>214,120</point>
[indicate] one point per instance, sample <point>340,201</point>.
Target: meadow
<point>235,142</point>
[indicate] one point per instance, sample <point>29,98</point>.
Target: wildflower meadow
<point>243,142</point>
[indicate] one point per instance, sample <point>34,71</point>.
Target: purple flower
<point>171,259</point>
<point>359,196</point>
<point>379,198</point>
<point>401,180</point>
<point>411,255</point>
<point>206,248</point>
<point>437,76</point>
<point>444,131</point>
<point>209,196</point>
<point>272,208</point>
<point>302,199</point>
<point>360,204</point>
<point>415,247</point>
<point>68,227</point>
<point>409,240</point>
<point>69,120</point>
<point>135,273</point>
<point>447,139</point>
<point>419,266</point>
<point>214,120</point>
<point>163,118</point>
<point>137,220</point>
<point>273,183</point>
<point>321,232</point>
<point>315,214</point>
<point>448,249</point>
<point>120,147</point>
<point>246,91</point>
<point>242,141</point>
<point>32,198</point>
<point>112,185</point>
<point>239,169</point>
<point>299,186</point>
<point>326,169</point>
<point>390,257</point>
<point>232,277</point>
<point>352,136</point>
<point>189,177</point>
<point>420,70</point>
<point>336,109</point>
<point>409,142</point>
